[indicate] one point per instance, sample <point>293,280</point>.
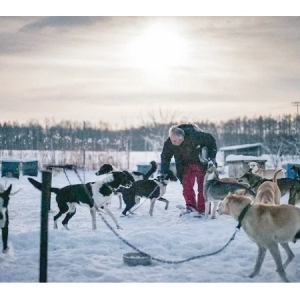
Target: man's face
<point>175,140</point>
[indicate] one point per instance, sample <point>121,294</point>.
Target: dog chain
<point>154,258</point>
<point>145,199</point>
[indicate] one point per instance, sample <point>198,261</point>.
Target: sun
<point>158,47</point>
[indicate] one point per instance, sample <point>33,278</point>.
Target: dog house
<point>238,164</point>
<point>30,167</point>
<point>245,149</point>
<point>10,167</point>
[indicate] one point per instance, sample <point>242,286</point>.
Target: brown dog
<point>266,225</point>
<point>268,192</point>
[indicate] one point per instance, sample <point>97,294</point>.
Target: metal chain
<point>67,176</point>
<point>163,260</point>
<point>154,258</point>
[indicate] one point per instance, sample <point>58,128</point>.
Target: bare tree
<point>275,157</point>
<point>160,122</point>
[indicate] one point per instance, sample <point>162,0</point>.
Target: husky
<point>286,185</point>
<point>215,190</point>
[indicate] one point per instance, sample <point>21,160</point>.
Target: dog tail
<point>152,170</point>
<point>39,185</point>
<point>275,175</point>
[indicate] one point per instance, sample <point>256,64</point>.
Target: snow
<point>234,157</point>
<point>83,255</point>
<point>244,146</point>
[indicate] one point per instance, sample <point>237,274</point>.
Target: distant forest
<point>280,134</point>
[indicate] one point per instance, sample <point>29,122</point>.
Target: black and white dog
<point>131,176</point>
<point>4,219</point>
<point>152,189</point>
<point>95,194</point>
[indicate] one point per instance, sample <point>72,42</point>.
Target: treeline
<point>278,134</point>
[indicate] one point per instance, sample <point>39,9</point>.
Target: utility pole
<point>297,104</point>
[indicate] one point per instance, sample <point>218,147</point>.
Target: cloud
<point>61,22</point>
<point>240,63</point>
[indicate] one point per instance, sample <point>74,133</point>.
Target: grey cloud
<point>62,22</point>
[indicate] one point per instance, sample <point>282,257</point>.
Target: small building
<point>245,149</point>
<point>289,172</point>
<point>10,167</point>
<point>238,164</point>
<point>30,167</point>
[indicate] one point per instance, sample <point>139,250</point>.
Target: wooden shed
<point>238,164</point>
<point>245,149</point>
<point>10,167</point>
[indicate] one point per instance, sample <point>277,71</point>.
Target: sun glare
<point>159,47</point>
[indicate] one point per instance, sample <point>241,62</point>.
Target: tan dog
<point>266,225</point>
<point>255,168</point>
<point>268,192</point>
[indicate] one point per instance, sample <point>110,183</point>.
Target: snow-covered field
<point>83,255</point>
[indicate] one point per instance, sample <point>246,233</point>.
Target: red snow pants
<point>192,173</point>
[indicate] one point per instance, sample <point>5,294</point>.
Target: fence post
<point>46,198</point>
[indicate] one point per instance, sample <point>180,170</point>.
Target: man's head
<point>176,135</point>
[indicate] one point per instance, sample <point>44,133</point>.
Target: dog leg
<point>278,261</point>
<point>207,205</point>
<point>5,239</point>
<point>152,202</point>
<point>164,200</point>
<point>70,214</point>
<point>120,201</point>
<point>93,215</point>
<point>67,219</point>
<point>289,253</point>
<point>137,200</point>
<point>128,208</point>
<point>5,233</point>
<point>55,219</point>
<point>259,260</point>
<point>111,215</point>
<point>214,211</point>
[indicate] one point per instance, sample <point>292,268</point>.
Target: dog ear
<point>7,192</point>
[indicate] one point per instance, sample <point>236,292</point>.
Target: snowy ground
<point>85,256</point>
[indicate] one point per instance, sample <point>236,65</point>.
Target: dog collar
<point>242,215</point>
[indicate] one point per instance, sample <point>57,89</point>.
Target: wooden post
<point>46,197</point>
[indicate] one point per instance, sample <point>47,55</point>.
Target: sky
<point>126,69</point>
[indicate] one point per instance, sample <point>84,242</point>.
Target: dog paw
<point>5,250</point>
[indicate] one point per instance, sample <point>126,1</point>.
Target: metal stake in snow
<point>46,198</point>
